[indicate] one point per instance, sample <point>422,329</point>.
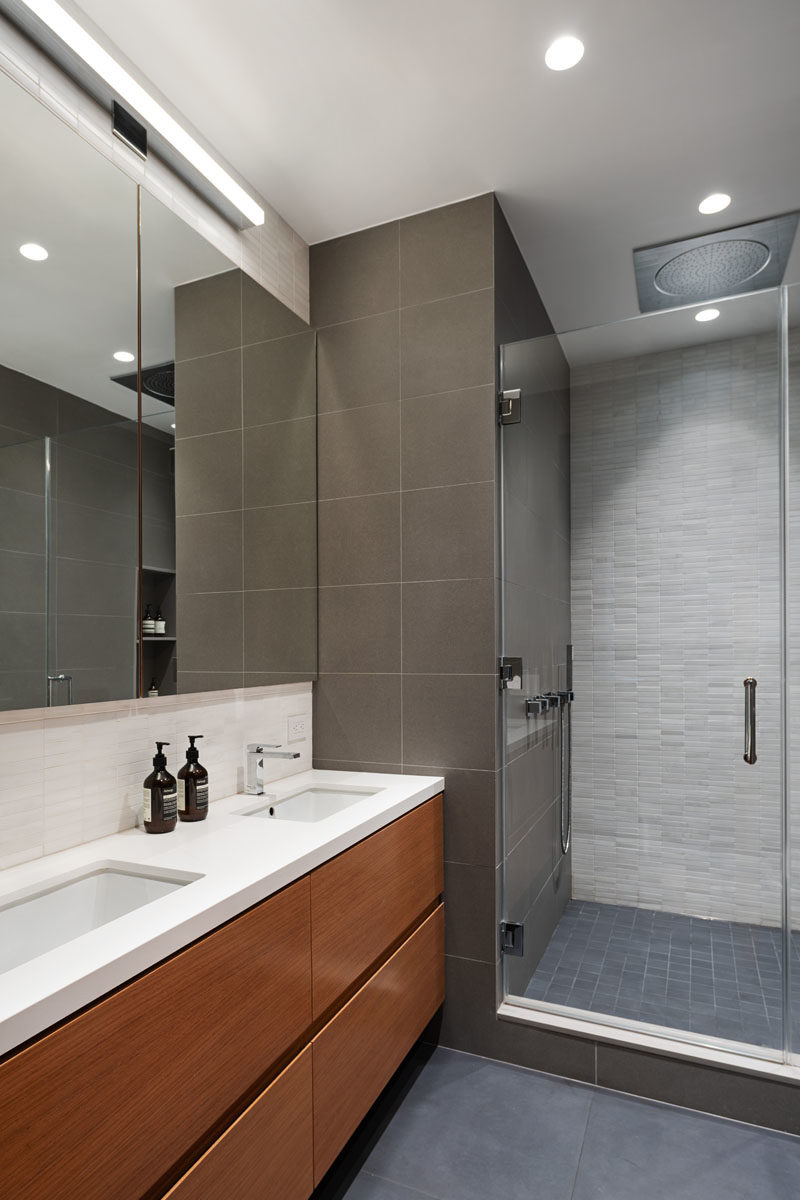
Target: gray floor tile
<point>371,1187</point>
<point>471,1129</point>
<point>634,1149</point>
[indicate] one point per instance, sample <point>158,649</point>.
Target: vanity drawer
<point>268,1151</point>
<point>357,1052</point>
<point>365,899</point>
<point>108,1103</point>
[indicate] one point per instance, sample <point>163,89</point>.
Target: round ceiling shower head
<point>716,269</point>
<point>160,383</point>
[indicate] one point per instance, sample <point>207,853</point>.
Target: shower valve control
<point>566,697</point>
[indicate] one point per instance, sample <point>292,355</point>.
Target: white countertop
<point>242,860</point>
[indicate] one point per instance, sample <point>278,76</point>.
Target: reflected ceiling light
<point>124,356</point>
<point>707,314</point>
<point>563,53</point>
<point>125,86</point>
<point>714,203</point>
<point>32,251</point>
<point>172,426</point>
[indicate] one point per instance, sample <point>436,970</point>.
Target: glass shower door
<point>641,500</point>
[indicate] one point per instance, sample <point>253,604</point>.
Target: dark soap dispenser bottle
<point>160,796</point>
<point>193,785</point>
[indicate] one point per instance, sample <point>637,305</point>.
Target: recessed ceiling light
<point>707,314</point>
<point>563,53</point>
<point>714,203</point>
<point>34,252</point>
<point>124,356</point>
<point>172,426</point>
<point>152,113</point>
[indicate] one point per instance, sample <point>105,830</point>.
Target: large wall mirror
<point>227,573</point>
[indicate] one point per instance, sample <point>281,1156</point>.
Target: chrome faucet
<point>254,764</point>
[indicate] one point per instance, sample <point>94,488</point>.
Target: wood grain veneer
<point>107,1104</point>
<point>267,1152</point>
<point>366,898</point>
<point>358,1051</point>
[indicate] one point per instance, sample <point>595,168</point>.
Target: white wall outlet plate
<point>296,728</point>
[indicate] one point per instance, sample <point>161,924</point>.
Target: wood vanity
<point>238,1068</point>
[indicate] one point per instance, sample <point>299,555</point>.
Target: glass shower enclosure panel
<point>641,509</point>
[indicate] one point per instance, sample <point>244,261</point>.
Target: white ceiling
<point>62,319</point>
<point>347,114</point>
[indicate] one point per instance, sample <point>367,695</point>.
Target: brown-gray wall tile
<point>210,632</point>
<point>449,627</point>
<point>280,463</point>
<point>359,540</point>
<point>358,363</point>
<point>359,451</point>
<point>449,438</point>
<point>447,344</point>
<point>449,718</point>
<point>446,251</point>
<point>280,546</point>
<point>208,315</point>
<point>448,533</point>
<point>357,718</point>
<point>280,631</point>
<point>208,393</point>
<point>209,555</point>
<point>359,628</point>
<point>355,276</point>
<point>263,316</point>
<point>470,929</point>
<point>280,380</point>
<point>208,473</point>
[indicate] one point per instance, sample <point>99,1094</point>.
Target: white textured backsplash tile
<point>69,776</point>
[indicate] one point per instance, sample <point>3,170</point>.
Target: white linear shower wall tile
<point>675,599</point>
<point>69,778</point>
<point>270,253</point>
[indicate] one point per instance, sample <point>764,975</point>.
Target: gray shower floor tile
<point>708,977</point>
<point>471,1127</point>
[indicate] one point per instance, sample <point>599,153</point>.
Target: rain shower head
<point>715,265</point>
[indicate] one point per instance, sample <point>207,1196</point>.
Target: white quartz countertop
<point>242,860</point>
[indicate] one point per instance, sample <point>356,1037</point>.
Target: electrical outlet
<point>296,729</point>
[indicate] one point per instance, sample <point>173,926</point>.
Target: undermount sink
<point>41,918</point>
<point>312,804</point>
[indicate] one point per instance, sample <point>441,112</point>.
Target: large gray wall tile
<point>21,521</point>
<point>96,536</point>
<point>449,718</point>
<point>469,813</point>
<point>449,438</point>
<point>355,276</point>
<point>280,381</point>
<point>359,628</point>
<point>448,533</point>
<point>449,627</point>
<point>22,641</point>
<point>447,344</point>
<point>208,394</point>
<point>280,546</point>
<point>264,316</point>
<point>210,632</point>
<point>208,473</point>
<point>100,589</point>
<point>447,251</point>
<point>359,540</point>
<point>357,718</point>
<point>280,463</point>
<point>359,451</point>
<point>21,582</point>
<point>209,552</point>
<point>280,631</point>
<point>358,363</point>
<point>470,926</point>
<point>208,315</point>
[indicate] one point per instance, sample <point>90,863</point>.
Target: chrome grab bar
<point>750,686</point>
<point>62,678</point>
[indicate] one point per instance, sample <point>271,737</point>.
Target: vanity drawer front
<point>357,1052</point>
<point>108,1103</point>
<point>369,896</point>
<point>268,1151</point>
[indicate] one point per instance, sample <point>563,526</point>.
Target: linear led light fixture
<point>120,81</point>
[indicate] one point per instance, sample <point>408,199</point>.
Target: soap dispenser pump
<point>193,785</point>
<point>160,796</point>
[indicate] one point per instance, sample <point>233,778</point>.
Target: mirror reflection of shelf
<point>158,587</point>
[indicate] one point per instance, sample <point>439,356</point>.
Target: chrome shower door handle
<point>750,686</point>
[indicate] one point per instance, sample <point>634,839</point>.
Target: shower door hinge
<point>510,672</point>
<point>509,406</point>
<point>511,938</point>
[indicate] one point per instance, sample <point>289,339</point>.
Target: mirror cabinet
<point>157,442</point>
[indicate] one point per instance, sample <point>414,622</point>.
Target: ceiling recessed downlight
<point>172,426</point>
<point>707,314</point>
<point>34,252</point>
<point>714,203</point>
<point>124,356</point>
<point>563,53</point>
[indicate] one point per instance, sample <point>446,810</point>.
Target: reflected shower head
<point>727,263</point>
